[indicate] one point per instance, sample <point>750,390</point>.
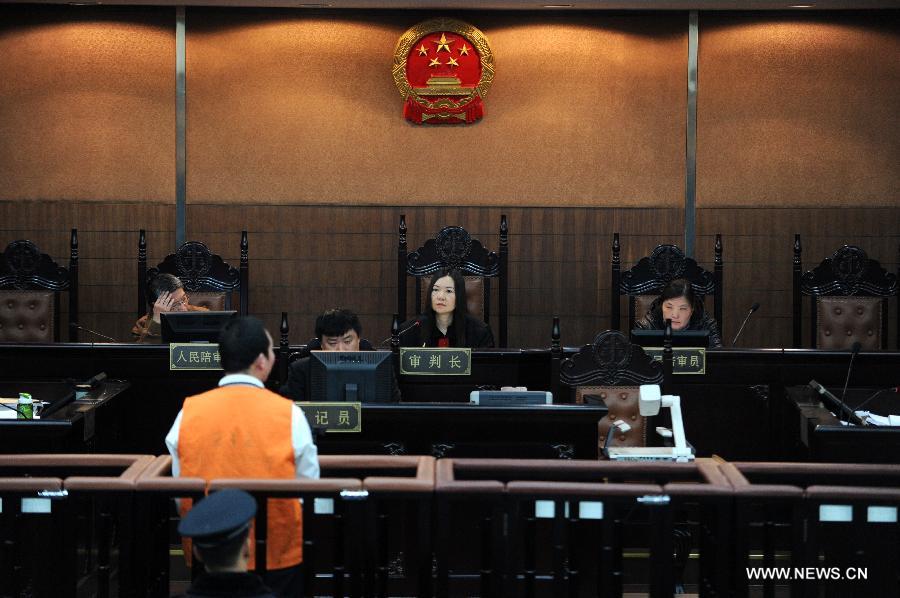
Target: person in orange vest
<point>242,430</point>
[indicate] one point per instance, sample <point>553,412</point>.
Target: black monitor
<point>680,338</point>
<point>193,326</point>
<point>364,376</point>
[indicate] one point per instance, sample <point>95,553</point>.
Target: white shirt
<point>306,455</point>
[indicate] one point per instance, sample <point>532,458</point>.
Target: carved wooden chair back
<point>207,278</point>
<point>849,295</point>
<point>646,280</point>
<point>454,247</point>
<point>30,285</point>
<point>610,371</point>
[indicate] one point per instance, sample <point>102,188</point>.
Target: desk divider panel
<point>85,516</point>
<point>503,526</point>
<point>585,501</point>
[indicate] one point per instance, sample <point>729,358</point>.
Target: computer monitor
<point>193,326</point>
<point>680,338</point>
<point>364,376</point>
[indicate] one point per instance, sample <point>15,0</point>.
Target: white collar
<point>240,379</point>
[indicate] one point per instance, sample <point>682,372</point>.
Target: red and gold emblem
<point>443,69</point>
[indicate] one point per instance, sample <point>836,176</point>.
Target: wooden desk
<point>738,409</point>
<point>454,430</point>
<point>822,437</point>
<point>82,425</point>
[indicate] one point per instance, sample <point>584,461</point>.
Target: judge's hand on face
<point>167,302</point>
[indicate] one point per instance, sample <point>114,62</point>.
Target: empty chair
<point>30,285</point>
<point>848,294</point>
<point>610,371</point>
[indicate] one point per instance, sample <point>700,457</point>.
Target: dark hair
<point>459,312</point>
<point>676,289</point>
<point>223,555</point>
<point>335,322</point>
<point>241,341</point>
<point>162,283</point>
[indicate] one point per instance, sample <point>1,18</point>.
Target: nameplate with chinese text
<point>194,356</point>
<point>685,360</point>
<point>451,361</point>
<point>333,417</point>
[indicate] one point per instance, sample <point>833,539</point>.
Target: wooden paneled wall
<point>304,259</point>
<point>294,133</point>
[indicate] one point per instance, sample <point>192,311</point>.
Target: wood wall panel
<point>304,259</point>
<point>87,108</point>
<point>552,270</point>
<point>758,247</point>
<point>584,110</point>
<point>107,247</point>
<point>799,109</point>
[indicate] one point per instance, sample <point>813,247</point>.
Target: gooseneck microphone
<point>753,308</point>
<point>93,332</point>
<point>415,324</point>
<point>854,351</point>
<point>876,394</point>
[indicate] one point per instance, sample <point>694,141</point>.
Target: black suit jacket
<point>478,334</point>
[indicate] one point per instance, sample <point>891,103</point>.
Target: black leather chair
<point>849,295</point>
<point>208,280</point>
<point>610,371</point>
<point>646,280</point>
<point>453,247</point>
<point>30,285</point>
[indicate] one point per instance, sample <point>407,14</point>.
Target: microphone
<point>93,332</point>
<point>836,403</point>
<point>753,308</point>
<point>854,351</point>
<point>416,323</point>
<point>875,394</point>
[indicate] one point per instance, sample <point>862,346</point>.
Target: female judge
<point>446,322</point>
<point>679,303</point>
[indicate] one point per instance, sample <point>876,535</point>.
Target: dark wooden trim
<point>245,275</point>
<point>719,299</point>
<point>504,283</point>
<point>142,273</point>
<point>401,271</point>
<point>73,289</point>
<point>614,299</point>
<point>797,305</point>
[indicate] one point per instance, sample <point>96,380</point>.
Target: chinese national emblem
<point>443,69</point>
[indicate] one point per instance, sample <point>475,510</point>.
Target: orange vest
<point>242,431</point>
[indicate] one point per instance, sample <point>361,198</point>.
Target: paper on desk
<point>879,420</point>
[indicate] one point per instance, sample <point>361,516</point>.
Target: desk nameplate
<point>445,361</point>
<point>333,416</point>
<point>194,356</point>
<point>685,360</point>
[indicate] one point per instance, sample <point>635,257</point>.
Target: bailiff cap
<point>218,518</point>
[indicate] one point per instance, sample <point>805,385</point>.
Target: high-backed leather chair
<point>610,370</point>
<point>30,284</point>
<point>646,280</point>
<point>849,295</point>
<point>207,278</point>
<point>453,247</point>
